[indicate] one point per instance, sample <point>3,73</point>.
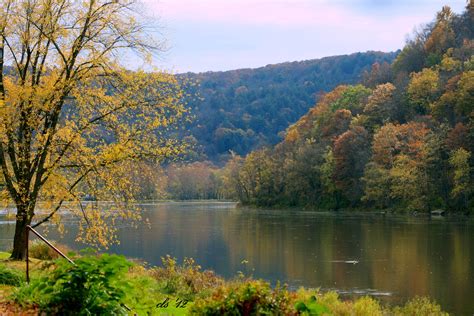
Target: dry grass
<point>35,264</point>
<point>39,250</point>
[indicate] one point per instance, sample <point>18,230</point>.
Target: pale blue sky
<point>205,35</point>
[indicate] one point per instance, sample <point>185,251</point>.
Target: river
<point>392,258</point>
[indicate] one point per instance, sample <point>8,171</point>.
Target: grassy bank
<point>110,284</point>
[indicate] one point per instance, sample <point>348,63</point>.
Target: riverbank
<point>111,283</point>
<point>394,211</point>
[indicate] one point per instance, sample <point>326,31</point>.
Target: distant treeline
<point>245,109</point>
<point>178,181</point>
<point>403,139</point>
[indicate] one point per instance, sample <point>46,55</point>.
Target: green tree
<point>462,182</point>
<point>408,182</point>
<point>353,98</point>
<point>329,189</point>
<point>377,183</point>
<point>380,107</point>
<point>300,174</point>
<point>256,178</point>
<point>423,89</point>
<point>465,95</point>
<point>232,186</point>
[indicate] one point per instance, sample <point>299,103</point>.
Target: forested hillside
<point>243,109</point>
<point>403,140</point>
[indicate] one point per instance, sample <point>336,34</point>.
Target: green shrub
<point>311,307</point>
<point>246,298</point>
<point>10,276</point>
<point>370,306</point>
<point>95,285</point>
<point>367,306</point>
<point>419,306</point>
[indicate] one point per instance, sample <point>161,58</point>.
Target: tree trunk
<point>19,241</point>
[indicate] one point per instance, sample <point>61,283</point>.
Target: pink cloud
<point>263,12</point>
<point>284,13</point>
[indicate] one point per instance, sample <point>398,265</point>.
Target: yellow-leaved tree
<point>72,119</point>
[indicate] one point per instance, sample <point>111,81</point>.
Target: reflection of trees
<point>286,247</point>
<point>407,259</point>
<point>173,230</point>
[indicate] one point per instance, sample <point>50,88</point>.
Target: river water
<point>392,258</point>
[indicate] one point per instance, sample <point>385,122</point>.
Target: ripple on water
<point>362,292</point>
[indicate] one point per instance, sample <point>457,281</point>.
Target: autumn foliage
<point>401,141</point>
<point>72,119</point>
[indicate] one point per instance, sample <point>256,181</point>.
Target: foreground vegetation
<point>111,284</point>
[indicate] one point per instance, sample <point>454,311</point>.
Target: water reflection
<point>393,258</point>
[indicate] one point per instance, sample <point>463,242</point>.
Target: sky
<point>215,35</point>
